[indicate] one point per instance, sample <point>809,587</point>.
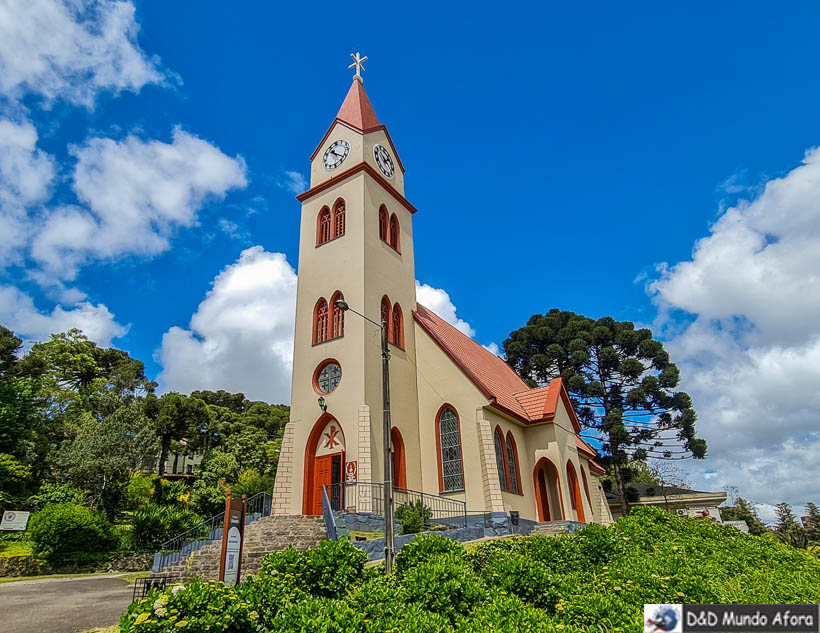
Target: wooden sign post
<point>233,535</point>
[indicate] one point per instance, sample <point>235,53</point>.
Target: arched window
<point>512,464</point>
<point>575,493</point>
<point>398,326</point>
<point>394,232</point>
<point>323,226</point>
<point>586,486</point>
<point>337,316</point>
<point>385,313</point>
<point>498,441</point>
<point>339,218</point>
<point>383,223</point>
<point>448,443</point>
<point>320,322</point>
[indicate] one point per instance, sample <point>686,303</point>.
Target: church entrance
<point>324,465</point>
<point>399,464</point>
<point>548,497</point>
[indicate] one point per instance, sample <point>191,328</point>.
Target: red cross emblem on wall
<point>331,437</point>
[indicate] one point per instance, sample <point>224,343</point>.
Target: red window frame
<point>397,326</point>
<point>339,218</point>
<point>337,317</point>
<point>320,320</point>
<point>323,226</point>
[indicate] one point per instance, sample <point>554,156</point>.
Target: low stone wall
<point>23,566</point>
<point>130,562</point>
<point>33,566</point>
<point>375,547</point>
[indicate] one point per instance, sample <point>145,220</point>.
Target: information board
<point>14,520</point>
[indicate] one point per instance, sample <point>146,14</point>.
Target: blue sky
<point>567,152</point>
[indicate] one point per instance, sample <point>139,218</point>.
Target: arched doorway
<point>548,495</point>
<point>399,462</point>
<point>324,464</point>
<point>575,493</point>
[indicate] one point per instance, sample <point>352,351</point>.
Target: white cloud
<point>26,174</point>
<point>751,357</point>
<point>293,181</point>
<point>241,336</point>
<point>18,313</point>
<point>492,348</point>
<point>71,49</point>
<point>137,194</point>
<point>439,302</point>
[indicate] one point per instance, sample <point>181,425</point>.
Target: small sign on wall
<point>14,520</point>
<point>351,473</point>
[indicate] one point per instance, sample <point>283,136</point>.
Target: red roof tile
<point>497,380</point>
<point>357,110</point>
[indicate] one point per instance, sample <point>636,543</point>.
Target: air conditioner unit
<point>681,512</point>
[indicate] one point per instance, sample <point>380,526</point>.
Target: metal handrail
<point>348,495</point>
<point>210,530</point>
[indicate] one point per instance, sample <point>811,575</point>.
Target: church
<point>465,426</point>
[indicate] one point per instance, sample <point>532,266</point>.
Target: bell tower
<point>356,244</point>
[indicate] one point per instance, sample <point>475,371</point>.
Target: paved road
<point>63,605</point>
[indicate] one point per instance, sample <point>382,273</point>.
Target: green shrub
<point>531,580</point>
<point>426,547</point>
<point>411,521</point>
<point>597,579</point>
<point>55,493</point>
<point>140,490</point>
<point>508,614</point>
<point>326,571</point>
<point>424,511</point>
<point>445,585</point>
<point>152,525</point>
<point>197,606</point>
<point>68,533</point>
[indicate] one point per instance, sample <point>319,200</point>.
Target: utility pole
<point>389,537</point>
<point>388,456</point>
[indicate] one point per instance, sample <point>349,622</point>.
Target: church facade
<point>464,424</point>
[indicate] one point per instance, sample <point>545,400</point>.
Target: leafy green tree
<point>15,479</point>
<point>175,417</point>
<point>73,362</point>
<point>10,347</point>
<point>622,383</point>
<point>101,454</point>
<point>744,511</point>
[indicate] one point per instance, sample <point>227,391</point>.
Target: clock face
<point>383,160</point>
<point>336,154</point>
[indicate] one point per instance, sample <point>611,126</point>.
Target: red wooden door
<point>321,477</point>
<point>542,493</point>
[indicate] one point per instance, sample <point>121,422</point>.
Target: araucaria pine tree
<point>622,384</point>
<point>813,527</point>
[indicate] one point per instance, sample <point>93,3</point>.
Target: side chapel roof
<point>498,381</point>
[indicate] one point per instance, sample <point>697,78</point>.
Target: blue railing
<point>210,530</point>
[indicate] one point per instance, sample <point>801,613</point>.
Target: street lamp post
<point>342,305</point>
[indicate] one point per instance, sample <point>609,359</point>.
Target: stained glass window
<point>513,465</point>
<point>499,459</point>
<point>452,475</point>
<point>329,377</point>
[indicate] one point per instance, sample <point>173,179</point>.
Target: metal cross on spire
<point>358,64</point>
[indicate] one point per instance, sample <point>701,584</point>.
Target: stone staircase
<point>269,534</point>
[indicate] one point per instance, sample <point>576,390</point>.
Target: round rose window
<point>328,377</point>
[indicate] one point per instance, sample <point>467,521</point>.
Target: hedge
<point>596,579</point>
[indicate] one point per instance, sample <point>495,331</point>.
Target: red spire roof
<point>357,109</point>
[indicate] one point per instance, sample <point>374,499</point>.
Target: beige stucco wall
<point>440,381</point>
<point>361,150</point>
